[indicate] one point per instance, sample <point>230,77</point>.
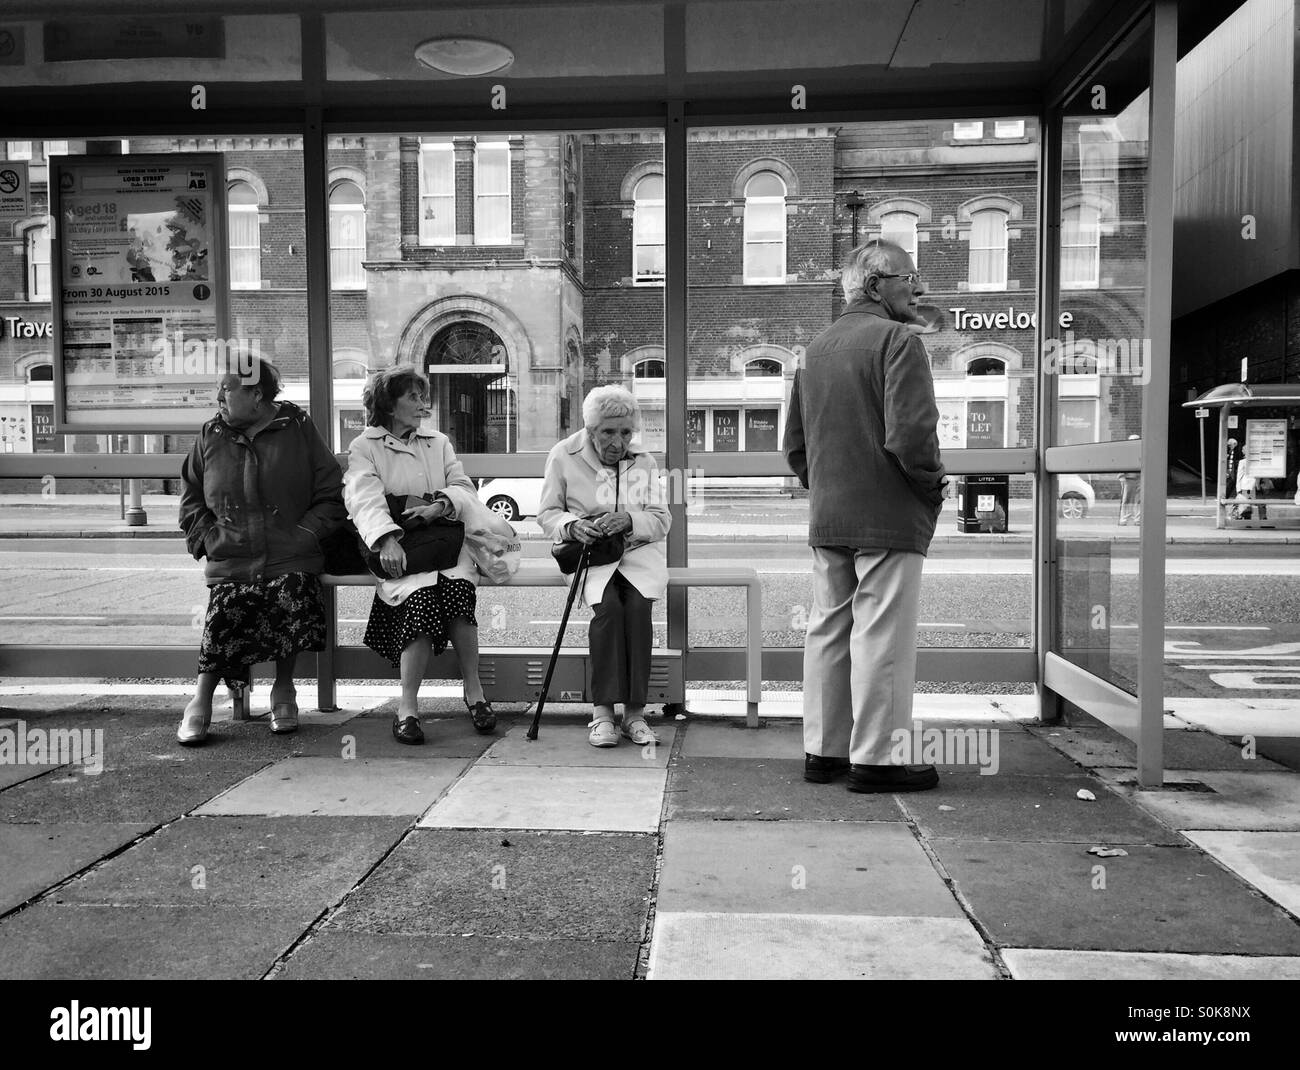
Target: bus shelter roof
<point>1245,394</point>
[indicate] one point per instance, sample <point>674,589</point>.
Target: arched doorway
<point>471,389</point>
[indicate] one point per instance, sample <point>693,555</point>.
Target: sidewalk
<point>339,853</point>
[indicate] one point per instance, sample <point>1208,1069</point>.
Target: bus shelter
<point>530,199</point>
<point>1266,444</point>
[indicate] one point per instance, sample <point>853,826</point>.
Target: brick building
<point>521,270</point>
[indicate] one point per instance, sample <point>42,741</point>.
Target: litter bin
<point>982,503</point>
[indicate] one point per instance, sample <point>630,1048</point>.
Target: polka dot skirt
<point>428,611</point>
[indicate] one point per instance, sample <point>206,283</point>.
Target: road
<point>1232,612</point>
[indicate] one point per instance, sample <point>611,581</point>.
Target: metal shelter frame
<point>316,109</point>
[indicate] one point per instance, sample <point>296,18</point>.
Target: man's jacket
<point>862,435</point>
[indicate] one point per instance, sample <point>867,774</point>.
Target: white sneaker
<point>603,734</point>
<point>639,732</point>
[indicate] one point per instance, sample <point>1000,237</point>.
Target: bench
<point>549,576</point>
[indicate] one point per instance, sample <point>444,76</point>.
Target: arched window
<point>245,237</point>
<point>986,366</point>
<point>648,231</point>
<point>40,373</point>
<point>988,250</point>
<point>350,369</point>
<point>900,228</point>
<point>1080,247</point>
<point>765,229</point>
<point>763,368</point>
<point>648,369</point>
<point>36,243</point>
<point>347,237</point>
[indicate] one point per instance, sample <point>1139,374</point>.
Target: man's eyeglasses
<point>910,276</point>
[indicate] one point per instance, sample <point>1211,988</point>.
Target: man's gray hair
<point>870,258</point>
<point>608,403</point>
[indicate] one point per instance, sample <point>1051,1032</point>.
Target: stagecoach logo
<point>20,745</point>
<point>76,1022</point>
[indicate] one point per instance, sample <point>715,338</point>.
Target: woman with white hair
<point>596,485</point>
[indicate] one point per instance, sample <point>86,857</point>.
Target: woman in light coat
<point>597,485</point>
<point>413,616</point>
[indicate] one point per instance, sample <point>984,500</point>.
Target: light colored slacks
<point>860,653</point>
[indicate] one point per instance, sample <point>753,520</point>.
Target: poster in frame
<point>141,296</point>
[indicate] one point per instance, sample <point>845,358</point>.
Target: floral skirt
<point>426,611</point>
<point>249,623</point>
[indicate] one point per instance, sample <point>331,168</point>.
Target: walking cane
<point>578,575</point>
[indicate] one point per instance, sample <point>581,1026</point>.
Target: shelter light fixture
<point>467,57</point>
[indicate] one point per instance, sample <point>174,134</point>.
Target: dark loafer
<point>889,778</point>
<point>407,730</point>
<point>482,716</point>
<point>821,770</point>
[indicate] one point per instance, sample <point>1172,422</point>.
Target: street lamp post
<point>854,202</point>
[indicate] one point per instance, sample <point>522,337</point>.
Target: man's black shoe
<point>821,770</point>
<point>889,778</point>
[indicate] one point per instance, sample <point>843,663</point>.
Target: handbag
<point>430,546</point>
<point>604,551</point>
<point>568,552</point>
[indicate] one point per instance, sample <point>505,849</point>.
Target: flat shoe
<point>407,730</point>
<point>639,732</point>
<point>818,769</point>
<point>482,716</point>
<point>194,727</point>
<point>284,717</point>
<point>869,779</point>
<point>602,734</point>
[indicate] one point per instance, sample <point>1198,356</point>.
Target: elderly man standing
<point>862,437</point>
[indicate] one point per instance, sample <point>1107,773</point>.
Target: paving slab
<point>232,741</point>
<point>766,789</point>
<point>372,737</point>
<point>1191,749</point>
<point>799,867</point>
<point>37,857</point>
<point>149,791</point>
<point>1034,809</point>
<point>372,957</point>
<point>566,745</point>
<point>735,740</point>
<point>241,861</point>
<point>338,787</point>
<point>1043,965</point>
<point>1280,749</point>
<point>1153,899</point>
<point>1238,718</point>
<point>16,774</point>
<point>726,946</point>
<point>1268,860</point>
<point>552,797</point>
<point>515,884</point>
<point>49,942</point>
<point>1261,801</point>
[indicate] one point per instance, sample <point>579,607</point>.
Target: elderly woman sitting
<point>261,492</point>
<point>597,485</point>
<point>414,615</point>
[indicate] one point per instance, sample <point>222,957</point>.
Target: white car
<point>511,499</point>
<point>1075,495</point>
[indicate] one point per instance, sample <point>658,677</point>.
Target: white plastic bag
<point>495,548</point>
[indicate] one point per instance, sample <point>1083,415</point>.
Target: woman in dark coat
<point>261,491</point>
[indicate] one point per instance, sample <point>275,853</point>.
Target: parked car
<point>511,499</point>
<point>1075,495</point>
